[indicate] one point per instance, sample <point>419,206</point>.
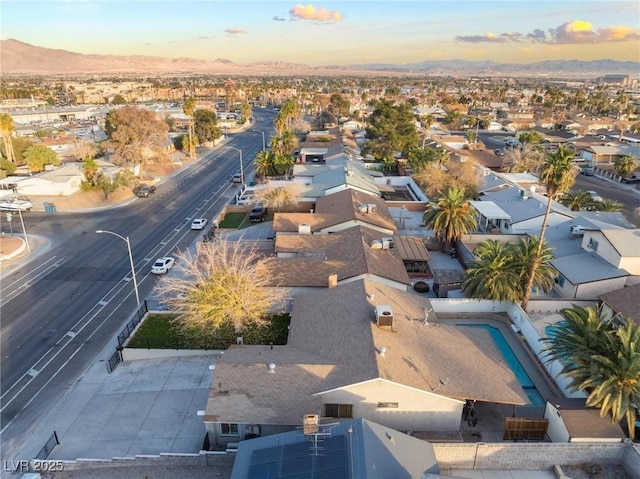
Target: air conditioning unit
<point>524,194</point>
<point>384,316</point>
<point>304,229</point>
<point>387,243</point>
<point>372,208</point>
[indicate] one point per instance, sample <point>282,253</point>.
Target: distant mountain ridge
<point>19,58</point>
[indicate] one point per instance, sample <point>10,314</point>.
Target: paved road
<point>60,309</point>
<point>623,193</point>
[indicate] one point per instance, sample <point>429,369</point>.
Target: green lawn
<point>158,332</point>
<point>232,220</point>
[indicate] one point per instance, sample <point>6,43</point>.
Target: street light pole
<point>133,270</point>
<point>241,165</point>
<point>264,146</point>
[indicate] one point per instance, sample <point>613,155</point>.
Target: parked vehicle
<point>163,265</point>
<point>199,224</point>
<point>588,171</point>
<point>635,178</point>
<point>257,214</point>
<point>237,178</point>
<point>144,191</point>
<point>594,195</point>
<point>15,205</point>
<point>499,152</point>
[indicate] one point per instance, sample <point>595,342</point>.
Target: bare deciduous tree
<point>223,283</point>
<point>83,150</point>
<point>277,197</point>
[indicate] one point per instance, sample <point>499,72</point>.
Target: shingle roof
<point>338,209</point>
<point>624,301</point>
<point>459,362</point>
<point>348,253</point>
<point>586,422</point>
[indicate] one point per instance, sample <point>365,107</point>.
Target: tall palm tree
<point>625,165</point>
<point>558,174</point>
<point>601,357</point>
<point>491,274</point>
<point>6,130</point>
<point>450,216</point>
<point>189,108</point>
<point>525,254</point>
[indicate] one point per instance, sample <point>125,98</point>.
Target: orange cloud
<point>309,12</point>
<point>235,31</point>
<point>575,32</point>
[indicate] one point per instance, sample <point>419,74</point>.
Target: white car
<point>594,195</point>
<point>15,205</point>
<point>163,265</point>
<point>199,224</point>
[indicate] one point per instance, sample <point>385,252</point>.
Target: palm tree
<point>558,175</point>
<point>577,200</point>
<point>491,274</point>
<point>609,205</point>
<point>451,216</point>
<point>600,357</point>
<point>189,107</point>
<point>625,165</point>
<point>6,130</point>
<point>526,252</point>
<point>264,163</point>
<point>616,387</point>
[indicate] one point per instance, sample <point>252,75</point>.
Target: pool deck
<point>490,426</point>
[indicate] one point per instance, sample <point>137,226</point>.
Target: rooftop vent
<point>304,229</point>
<point>272,368</point>
<point>382,350</point>
<point>384,316</point>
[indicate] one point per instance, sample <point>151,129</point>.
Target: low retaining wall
<point>132,354</point>
<point>504,456</point>
<point>215,460</point>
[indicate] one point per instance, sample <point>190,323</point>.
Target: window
<point>593,244</point>
<point>229,429</point>
<point>338,410</point>
<point>388,405</point>
<point>560,281</point>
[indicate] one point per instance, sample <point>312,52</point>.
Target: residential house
<point>360,350</point>
<point>609,152</point>
<point>349,449</point>
<point>58,181</point>
<point>624,301</point>
<point>524,207</point>
<point>339,211</point>
<point>340,174</point>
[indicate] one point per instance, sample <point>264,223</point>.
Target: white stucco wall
<point>417,410</point>
<point>605,250</point>
<point>557,431</point>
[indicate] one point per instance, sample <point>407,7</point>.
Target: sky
<point>332,33</point>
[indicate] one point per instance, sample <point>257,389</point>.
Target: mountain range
<point>19,58</point>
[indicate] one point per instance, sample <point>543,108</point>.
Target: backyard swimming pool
<point>523,378</point>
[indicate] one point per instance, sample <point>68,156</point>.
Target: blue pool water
<point>512,360</point>
<point>551,330</point>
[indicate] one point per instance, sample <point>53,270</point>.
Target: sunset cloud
<point>235,31</point>
<point>309,12</point>
<point>488,38</point>
<point>575,32</point>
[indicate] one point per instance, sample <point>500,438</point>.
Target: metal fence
<point>48,447</point>
<point>116,357</point>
